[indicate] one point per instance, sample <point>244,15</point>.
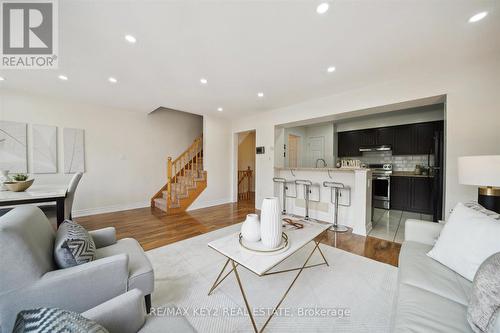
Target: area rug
<point>353,294</point>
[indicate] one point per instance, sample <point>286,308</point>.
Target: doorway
<point>293,150</point>
<point>246,167</point>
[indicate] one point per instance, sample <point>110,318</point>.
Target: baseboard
<point>210,203</point>
<point>143,204</point>
<point>110,209</point>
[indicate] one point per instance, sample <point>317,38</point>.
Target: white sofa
<point>431,297</point>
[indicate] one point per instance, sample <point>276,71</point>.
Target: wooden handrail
<point>188,160</point>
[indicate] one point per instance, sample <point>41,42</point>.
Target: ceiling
<point>278,47</point>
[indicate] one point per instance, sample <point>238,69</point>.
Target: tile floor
<point>390,224</point>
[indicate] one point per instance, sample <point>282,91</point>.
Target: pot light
<point>131,39</point>
<point>330,69</point>
<point>261,94</point>
<point>322,8</point>
<point>2,79</point>
<point>478,17</point>
<point>63,77</point>
<point>220,109</point>
<point>203,81</point>
<point>112,80</point>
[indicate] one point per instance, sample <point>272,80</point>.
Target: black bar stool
<point>335,188</point>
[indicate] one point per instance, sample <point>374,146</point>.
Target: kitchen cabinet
<point>412,139</point>
<point>400,193</point>
<point>348,144</point>
<point>384,136</point>
<point>423,138</point>
<point>403,140</point>
<point>412,194</point>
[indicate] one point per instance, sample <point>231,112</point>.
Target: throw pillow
<point>73,245</point>
<point>467,239</point>
<point>54,320</point>
<point>476,206</point>
<point>484,304</point>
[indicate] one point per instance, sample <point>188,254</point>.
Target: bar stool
<point>282,181</point>
<point>307,185</point>
<point>335,187</point>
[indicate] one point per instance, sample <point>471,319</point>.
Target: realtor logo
<point>29,34</point>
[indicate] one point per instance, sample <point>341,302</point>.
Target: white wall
<point>217,145</point>
<point>394,118</point>
<point>125,152</point>
<point>472,117</point>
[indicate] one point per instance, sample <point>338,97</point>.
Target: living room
<point>120,200</point>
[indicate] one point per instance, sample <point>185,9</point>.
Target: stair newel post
<point>249,180</point>
<point>169,180</point>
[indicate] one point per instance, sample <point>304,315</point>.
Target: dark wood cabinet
<point>403,140</point>
<point>400,193</point>
<point>366,138</point>
<point>348,144</point>
<point>423,138</point>
<point>421,195</point>
<point>413,139</point>
<point>384,136</point>
<point>413,194</point>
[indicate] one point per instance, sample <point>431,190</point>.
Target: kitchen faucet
<point>324,162</point>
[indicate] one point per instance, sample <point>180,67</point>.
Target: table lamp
<point>482,171</point>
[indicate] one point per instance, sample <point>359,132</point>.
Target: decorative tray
<point>259,248</point>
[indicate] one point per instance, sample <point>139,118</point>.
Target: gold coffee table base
<point>300,269</point>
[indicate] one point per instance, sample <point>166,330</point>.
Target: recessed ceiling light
<point>330,69</point>
<point>112,80</point>
<point>478,17</point>
<point>63,77</point>
<point>2,79</point>
<point>322,8</point>
<point>131,39</point>
<point>261,94</point>
<point>220,109</point>
<point>203,81</point>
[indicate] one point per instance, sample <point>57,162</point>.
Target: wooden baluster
<point>169,180</point>
<point>249,176</point>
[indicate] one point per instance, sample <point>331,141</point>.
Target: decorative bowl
<point>18,186</point>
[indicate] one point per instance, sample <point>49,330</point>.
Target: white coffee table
<point>259,264</point>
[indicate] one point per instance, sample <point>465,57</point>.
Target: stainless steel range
<point>381,185</point>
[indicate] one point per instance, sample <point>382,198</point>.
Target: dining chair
<point>70,195</point>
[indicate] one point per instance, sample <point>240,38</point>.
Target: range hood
<point>375,148</point>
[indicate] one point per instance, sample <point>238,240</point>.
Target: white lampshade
<point>479,170</point>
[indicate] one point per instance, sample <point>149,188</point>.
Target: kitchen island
<point>355,208</point>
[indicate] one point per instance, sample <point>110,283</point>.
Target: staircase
<point>186,179</point>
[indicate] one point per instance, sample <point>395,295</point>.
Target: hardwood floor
<point>153,228</point>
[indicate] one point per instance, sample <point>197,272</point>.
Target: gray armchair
<point>125,314</point>
<point>29,277</point>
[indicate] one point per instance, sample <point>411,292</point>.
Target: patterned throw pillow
<point>73,246</point>
<point>474,205</point>
<point>45,320</point>
<point>484,304</point>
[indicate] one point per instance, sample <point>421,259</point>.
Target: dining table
<point>37,194</point>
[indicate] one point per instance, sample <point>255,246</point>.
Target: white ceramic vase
<point>271,227</point>
<point>250,229</point>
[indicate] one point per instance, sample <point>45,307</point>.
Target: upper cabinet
<point>384,136</point>
<point>413,139</point>
<point>403,140</point>
<point>349,143</point>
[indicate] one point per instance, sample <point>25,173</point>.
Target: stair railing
<point>189,160</point>
<point>244,191</point>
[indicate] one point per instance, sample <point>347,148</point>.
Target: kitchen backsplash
<point>399,163</point>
